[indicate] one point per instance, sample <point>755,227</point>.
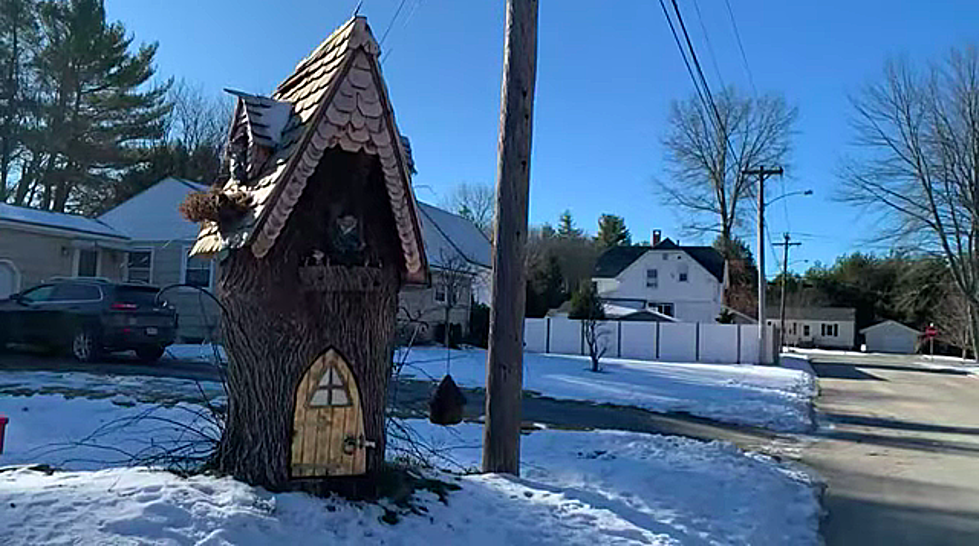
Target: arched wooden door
<point>328,429</point>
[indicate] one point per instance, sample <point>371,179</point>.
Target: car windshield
<point>140,295</point>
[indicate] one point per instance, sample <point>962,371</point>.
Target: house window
<point>87,264</point>
<point>683,271</point>
<point>652,278</point>
<point>794,329</point>
<point>805,329</point>
<point>197,271</point>
<point>663,308</point>
<point>440,293</point>
<point>138,264</point>
<point>830,330</point>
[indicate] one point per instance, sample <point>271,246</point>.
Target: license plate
<point>152,331</point>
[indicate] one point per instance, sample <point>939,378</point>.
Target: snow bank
<point>766,396</point>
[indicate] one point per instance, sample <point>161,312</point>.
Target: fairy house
<point>317,230</point>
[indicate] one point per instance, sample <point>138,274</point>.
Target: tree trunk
<point>276,325</point>
<point>269,356</point>
<point>973,328</point>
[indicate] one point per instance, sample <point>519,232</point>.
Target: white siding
<point>795,333</point>
<point>698,299</point>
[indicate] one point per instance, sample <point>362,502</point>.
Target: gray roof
<point>151,215</point>
<point>616,259</point>
<point>450,237</point>
<point>57,220</point>
<point>814,313</point>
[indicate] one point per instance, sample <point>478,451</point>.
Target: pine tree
<point>95,110</point>
<point>18,39</point>
<point>566,227</point>
<point>612,232</point>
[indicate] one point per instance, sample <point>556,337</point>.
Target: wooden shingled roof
<point>337,98</point>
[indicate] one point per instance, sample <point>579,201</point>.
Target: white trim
<point>76,261</point>
<point>152,251</point>
<point>17,276</point>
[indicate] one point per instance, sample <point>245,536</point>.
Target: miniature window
<point>331,392</point>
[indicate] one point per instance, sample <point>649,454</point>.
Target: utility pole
<point>504,359</point>
<point>761,172</point>
<point>785,271</point>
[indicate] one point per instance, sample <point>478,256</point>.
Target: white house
<point>684,282</point>
<point>891,337</point>
<point>830,327</point>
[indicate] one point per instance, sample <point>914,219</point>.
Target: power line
<point>683,55</point>
<point>391,23</point>
<point>710,48</point>
<point>696,63</point>
<point>744,58</point>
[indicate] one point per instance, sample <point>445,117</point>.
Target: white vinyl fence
<point>661,341</point>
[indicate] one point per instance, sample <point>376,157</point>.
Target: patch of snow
<point>166,390</point>
<point>596,487</point>
<point>765,396</point>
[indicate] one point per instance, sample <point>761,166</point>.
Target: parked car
<point>89,317</point>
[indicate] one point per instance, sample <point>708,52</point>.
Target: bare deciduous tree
<point>477,202</point>
<point>952,320</point>
<point>707,153</point>
<point>918,164</point>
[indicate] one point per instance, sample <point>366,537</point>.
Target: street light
<point>790,194</point>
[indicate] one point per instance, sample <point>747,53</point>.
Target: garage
<point>891,337</point>
<point>9,278</point>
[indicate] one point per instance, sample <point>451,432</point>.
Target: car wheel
<point>84,345</point>
<point>150,354</point>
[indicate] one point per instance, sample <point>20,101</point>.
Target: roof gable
<point>450,238</point>
<point>151,215</point>
<point>338,99</point>
<point>891,325</point>
<point>618,258</point>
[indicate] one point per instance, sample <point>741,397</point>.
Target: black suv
<point>89,317</point>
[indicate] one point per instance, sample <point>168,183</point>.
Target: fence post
<point>618,342</point>
<point>738,329</point>
<point>697,342</point>
<point>547,336</point>
<point>581,337</point>
<point>657,340</point>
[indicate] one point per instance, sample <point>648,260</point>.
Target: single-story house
<point>36,245</point>
<point>617,312</point>
<point>159,242</point>
<point>828,327</point>
<point>891,336</point>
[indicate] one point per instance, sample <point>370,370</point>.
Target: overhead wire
<point>394,17</point>
<point>744,58</point>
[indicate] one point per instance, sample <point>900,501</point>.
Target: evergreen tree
<point>18,41</point>
<point>612,232</point>
<point>95,110</point>
<point>585,303</point>
<point>566,227</point>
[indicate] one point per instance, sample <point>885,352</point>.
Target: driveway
<point>899,449</point>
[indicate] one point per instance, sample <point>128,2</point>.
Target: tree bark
<point>504,360</point>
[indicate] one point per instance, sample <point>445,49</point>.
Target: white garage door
<point>8,280</point>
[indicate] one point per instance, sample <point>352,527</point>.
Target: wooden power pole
<point>761,172</point>
<point>785,271</point>
<point>504,360</point>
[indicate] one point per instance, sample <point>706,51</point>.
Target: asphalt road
<point>899,449</point>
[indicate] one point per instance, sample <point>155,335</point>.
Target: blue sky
<point>606,75</point>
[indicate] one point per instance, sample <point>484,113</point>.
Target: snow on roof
<point>152,215</point>
<point>450,236</point>
<point>891,325</point>
<point>57,220</point>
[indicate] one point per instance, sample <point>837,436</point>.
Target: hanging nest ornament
<point>446,405</point>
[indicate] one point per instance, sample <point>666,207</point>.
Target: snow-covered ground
<point>595,487</point>
<point>766,396</point>
<point>122,389</point>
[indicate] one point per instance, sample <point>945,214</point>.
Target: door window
<point>88,263</point>
<point>330,391</point>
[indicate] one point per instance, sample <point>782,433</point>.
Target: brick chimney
<point>657,235</point>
